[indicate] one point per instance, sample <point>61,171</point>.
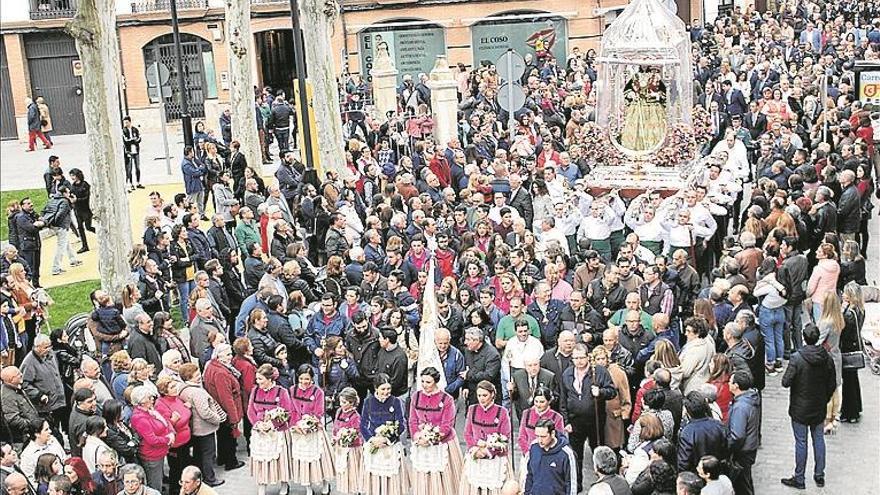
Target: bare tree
<point>94,29</point>
<point>318,19</point>
<point>241,48</point>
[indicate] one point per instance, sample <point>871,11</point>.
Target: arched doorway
<point>160,64</point>
<point>413,44</point>
<point>275,60</point>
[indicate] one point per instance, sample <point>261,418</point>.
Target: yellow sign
<point>300,138</point>
<point>869,87</point>
<point>77,67</point>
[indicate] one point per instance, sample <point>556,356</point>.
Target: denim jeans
<point>772,323</point>
<point>183,290</point>
<point>817,313</point>
<point>800,449</point>
<point>794,325</point>
<point>63,248</point>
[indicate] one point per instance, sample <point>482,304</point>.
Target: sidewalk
<point>20,169</point>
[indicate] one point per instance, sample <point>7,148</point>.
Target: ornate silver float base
<point>637,177</point>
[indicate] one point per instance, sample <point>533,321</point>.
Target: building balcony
<point>139,6</point>
<point>52,9</point>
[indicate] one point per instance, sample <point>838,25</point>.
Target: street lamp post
<point>299,60</point>
<point>185,117</point>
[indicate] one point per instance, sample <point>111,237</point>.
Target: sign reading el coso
<point>413,50</point>
<point>539,37</point>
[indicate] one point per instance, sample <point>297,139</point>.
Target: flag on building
<point>429,356</point>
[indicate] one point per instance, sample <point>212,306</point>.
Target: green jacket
<point>618,316</point>
<point>245,234</point>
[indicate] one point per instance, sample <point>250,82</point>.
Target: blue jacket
<point>744,425</point>
<point>376,413</point>
<point>249,304</point>
<point>192,176</point>
<point>704,436</point>
<point>318,330</point>
<point>551,472</point>
<point>452,366</point>
<point>550,322</point>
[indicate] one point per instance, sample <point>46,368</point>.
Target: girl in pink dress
<point>435,454</point>
<point>267,408</point>
<point>311,462</point>
<point>348,443</point>
<point>540,409</point>
<point>487,428</point>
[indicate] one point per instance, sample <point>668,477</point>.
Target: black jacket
<point>144,346</point>
<point>335,242</point>
<point>795,270</point>
<point>264,347</point>
<point>582,408</point>
<point>484,364</point>
<point>825,220</point>
<point>703,436</point>
<point>124,441</point>
<point>28,234</point>
<point>810,376</point>
<point>395,364</point>
<point>364,349</point>
<point>254,269</point>
<point>849,210</point>
<point>280,330</point>
<point>77,429</point>
<point>178,268</point>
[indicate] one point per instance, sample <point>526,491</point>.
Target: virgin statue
<point>644,115</point>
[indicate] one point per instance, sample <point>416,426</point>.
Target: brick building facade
<point>39,59</point>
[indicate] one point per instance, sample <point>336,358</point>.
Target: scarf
<point>231,369</point>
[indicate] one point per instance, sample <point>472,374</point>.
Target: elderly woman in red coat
<point>221,380</point>
<point>243,361</point>
<point>157,434</point>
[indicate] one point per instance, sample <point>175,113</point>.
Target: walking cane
<point>595,405</point>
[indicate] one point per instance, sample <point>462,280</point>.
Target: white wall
<point>14,10</point>
<point>710,11</point>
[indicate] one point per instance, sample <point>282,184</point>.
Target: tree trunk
<point>241,46</point>
<point>94,29</point>
<point>318,18</point>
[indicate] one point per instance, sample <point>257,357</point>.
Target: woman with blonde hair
<point>823,280</point>
<point>21,289</point>
<point>137,257</point>
<point>664,353</point>
<point>831,324</point>
<point>617,409</point>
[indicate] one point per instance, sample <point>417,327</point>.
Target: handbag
<point>855,360</point>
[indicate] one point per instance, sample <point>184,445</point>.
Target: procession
<point>557,272</point>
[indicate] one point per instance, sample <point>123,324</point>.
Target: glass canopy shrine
<point>644,125</point>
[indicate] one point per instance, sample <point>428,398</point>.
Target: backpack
<point>51,213</point>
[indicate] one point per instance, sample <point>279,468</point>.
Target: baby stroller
<point>872,349</point>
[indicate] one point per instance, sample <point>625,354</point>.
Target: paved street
<point>24,170</point>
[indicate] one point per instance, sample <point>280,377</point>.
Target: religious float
<point>647,133</point>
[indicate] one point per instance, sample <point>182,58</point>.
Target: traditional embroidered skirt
<point>386,471</point>
<point>311,461</point>
<point>436,469</point>
<point>349,464</point>
<point>270,462</point>
<point>485,476</point>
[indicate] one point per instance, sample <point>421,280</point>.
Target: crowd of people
<point>576,326</point>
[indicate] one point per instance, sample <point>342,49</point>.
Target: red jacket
<point>154,434</point>
<point>166,406</point>
<point>248,370</point>
<point>225,389</point>
<point>441,169</point>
